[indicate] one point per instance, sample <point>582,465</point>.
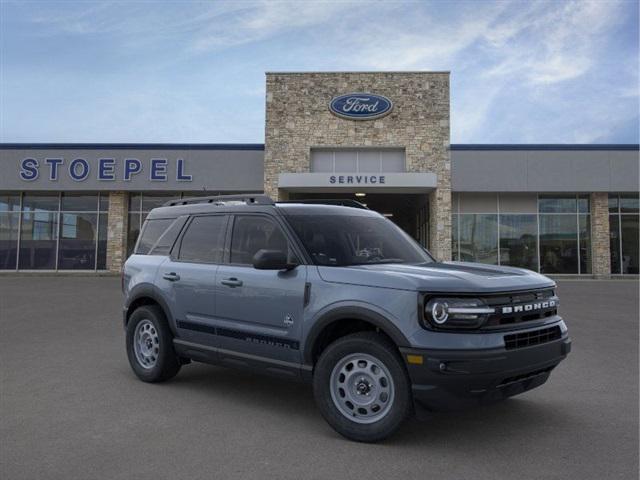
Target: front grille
<point>534,337</point>
<point>516,315</point>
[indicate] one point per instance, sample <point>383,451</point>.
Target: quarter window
<point>152,231</point>
<point>203,241</point>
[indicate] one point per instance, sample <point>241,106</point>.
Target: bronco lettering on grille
<point>529,307</point>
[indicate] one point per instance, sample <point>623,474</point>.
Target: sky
<point>193,72</point>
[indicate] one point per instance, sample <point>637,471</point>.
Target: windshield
<point>344,240</point>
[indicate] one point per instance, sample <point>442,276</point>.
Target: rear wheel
<point>361,387</point>
<point>150,345</point>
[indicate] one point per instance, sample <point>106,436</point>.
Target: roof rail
<point>344,202</point>
<point>259,199</point>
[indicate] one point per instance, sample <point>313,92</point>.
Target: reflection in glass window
<point>557,204</point>
<point>9,202</point>
<point>9,222</point>
<point>77,247</point>
<point>614,242</point>
<point>585,243</point>
<point>519,241</point>
<point>629,242</point>
<point>558,244</point>
<point>623,233</point>
<point>49,202</point>
<point>38,238</point>
<point>629,203</point>
<point>80,202</point>
<point>101,262</point>
<point>455,252</point>
<point>479,238</point>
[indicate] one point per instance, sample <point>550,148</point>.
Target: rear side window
<point>203,241</point>
<point>151,232</point>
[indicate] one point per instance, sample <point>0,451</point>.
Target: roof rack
<point>222,200</point>
<point>344,202</point>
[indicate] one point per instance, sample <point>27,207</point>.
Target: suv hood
<point>462,277</point>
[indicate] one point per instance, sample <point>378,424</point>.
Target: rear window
<point>152,232</point>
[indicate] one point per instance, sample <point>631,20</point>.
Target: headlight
<point>456,312</point>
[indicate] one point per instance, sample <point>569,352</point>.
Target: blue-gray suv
<point>337,295</point>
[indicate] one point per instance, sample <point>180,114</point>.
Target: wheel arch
<point>145,295</point>
<point>328,323</point>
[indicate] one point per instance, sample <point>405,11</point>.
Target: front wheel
<point>361,387</point>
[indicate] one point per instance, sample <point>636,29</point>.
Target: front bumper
<point>454,379</point>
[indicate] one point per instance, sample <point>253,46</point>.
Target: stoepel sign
<point>360,106</point>
<point>107,169</point>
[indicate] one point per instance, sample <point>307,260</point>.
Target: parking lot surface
<point>72,409</point>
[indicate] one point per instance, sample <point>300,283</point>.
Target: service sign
<point>360,106</point>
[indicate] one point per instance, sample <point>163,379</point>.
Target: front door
<point>259,312</point>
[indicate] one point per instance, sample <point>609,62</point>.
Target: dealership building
<point>382,138</point>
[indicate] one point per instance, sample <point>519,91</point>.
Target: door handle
<point>171,276</point>
<point>231,282</point>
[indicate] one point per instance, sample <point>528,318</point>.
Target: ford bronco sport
<point>341,297</point>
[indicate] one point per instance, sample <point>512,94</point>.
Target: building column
<point>600,248</point>
<point>440,224</point>
<point>117,230</point>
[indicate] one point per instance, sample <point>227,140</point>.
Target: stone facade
<point>600,247</point>
<point>298,119</point>
<point>117,230</point>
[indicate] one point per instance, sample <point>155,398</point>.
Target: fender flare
<point>355,313</point>
<point>148,291</point>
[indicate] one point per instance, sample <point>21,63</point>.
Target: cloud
<point>521,71</point>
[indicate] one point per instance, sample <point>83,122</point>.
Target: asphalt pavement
<point>70,407</point>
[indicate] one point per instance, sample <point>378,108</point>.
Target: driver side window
<point>252,233</point>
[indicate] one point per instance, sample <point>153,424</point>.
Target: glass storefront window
<point>519,241</point>
<point>79,202</point>
<point>9,202</point>
<point>151,201</point>
<point>40,201</point>
<point>584,236</point>
<point>557,204</point>
<point>455,252</point>
<point>478,238</point>
<point>38,240</point>
<point>50,231</point>
<point>9,222</point>
<point>77,247</point>
<point>614,242</point>
<point>558,244</point>
<point>623,234</point>
<point>629,204</point>
<point>629,241</point>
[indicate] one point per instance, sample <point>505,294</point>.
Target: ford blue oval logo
<point>360,106</point>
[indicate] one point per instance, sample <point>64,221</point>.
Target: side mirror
<point>271,260</point>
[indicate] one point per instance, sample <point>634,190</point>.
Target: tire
<point>153,359</point>
<point>365,370</point>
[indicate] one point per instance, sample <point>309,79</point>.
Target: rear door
<point>259,312</point>
<point>188,277</point>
